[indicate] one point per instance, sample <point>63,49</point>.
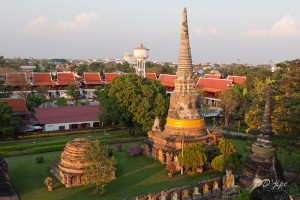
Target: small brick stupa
<point>69,169</point>
<point>263,161</point>
<point>185,123</point>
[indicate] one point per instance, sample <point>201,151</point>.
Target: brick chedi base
<point>69,169</point>
<point>262,162</point>
<point>185,123</point>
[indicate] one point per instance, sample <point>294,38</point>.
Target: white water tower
<point>141,54</point>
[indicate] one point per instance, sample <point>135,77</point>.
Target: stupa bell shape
<point>185,103</point>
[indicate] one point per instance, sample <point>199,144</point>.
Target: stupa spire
<point>266,127</point>
<point>184,58</point>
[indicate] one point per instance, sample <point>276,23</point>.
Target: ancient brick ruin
<point>184,121</point>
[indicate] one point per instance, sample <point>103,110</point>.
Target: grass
<point>57,144</point>
<point>135,177</point>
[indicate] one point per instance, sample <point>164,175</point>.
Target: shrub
<point>193,157</point>
<point>218,163</point>
<point>54,134</point>
<point>39,159</point>
<point>119,147</point>
<point>244,195</point>
<point>226,147</point>
<point>135,151</point>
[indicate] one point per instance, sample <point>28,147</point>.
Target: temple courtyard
<point>136,176</point>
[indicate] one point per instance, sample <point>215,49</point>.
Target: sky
<point>248,31</point>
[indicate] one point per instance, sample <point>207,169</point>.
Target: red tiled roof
<point>16,79</point>
<point>17,105</point>
<point>237,79</point>
<point>92,79</point>
<point>110,76</point>
<point>52,115</point>
<point>213,83</point>
<point>167,80</point>
<point>66,79</point>
<point>151,76</point>
<point>42,79</point>
<point>217,76</point>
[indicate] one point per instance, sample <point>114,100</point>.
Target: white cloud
<point>287,26</point>
<point>82,20</point>
<point>36,25</point>
<point>206,31</point>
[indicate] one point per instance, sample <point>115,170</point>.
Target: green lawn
<point>56,144</point>
<point>135,176</point>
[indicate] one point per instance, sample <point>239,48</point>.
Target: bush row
<point>60,147</point>
<point>55,134</point>
<point>62,141</point>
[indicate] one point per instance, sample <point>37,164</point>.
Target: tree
<point>34,101</point>
<point>5,91</point>
<point>256,102</point>
<point>228,156</point>
<point>141,98</point>
<point>218,163</point>
<point>73,92</point>
<point>8,122</point>
<point>229,102</point>
<point>287,106</point>
<point>226,147</point>
<point>112,111</point>
<point>61,101</point>
<point>2,60</point>
<point>193,157</point>
<point>101,168</point>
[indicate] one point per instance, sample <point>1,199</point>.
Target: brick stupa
<point>70,168</point>
<point>263,161</point>
<point>184,121</point>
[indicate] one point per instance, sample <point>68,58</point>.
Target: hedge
<point>59,147</point>
<point>55,134</point>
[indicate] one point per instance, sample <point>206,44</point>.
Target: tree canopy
<point>194,156</point>
<point>61,101</point>
<point>35,100</point>
<point>101,168</point>
<point>5,91</point>
<point>73,92</point>
<point>8,122</point>
<point>134,99</point>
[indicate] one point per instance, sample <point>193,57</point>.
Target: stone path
<point>226,132</point>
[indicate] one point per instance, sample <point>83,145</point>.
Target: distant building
<point>237,79</point>
<point>167,81</point>
<point>151,76</point>
<point>128,57</point>
<point>110,76</point>
<point>18,106</point>
<point>28,68</point>
<point>212,88</point>
<point>67,117</point>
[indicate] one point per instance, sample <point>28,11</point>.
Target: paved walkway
<point>226,132</point>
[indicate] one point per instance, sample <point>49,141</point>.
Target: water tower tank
<point>140,53</point>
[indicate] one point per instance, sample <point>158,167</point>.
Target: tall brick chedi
<point>263,162</point>
<point>184,121</point>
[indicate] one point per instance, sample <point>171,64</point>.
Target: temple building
<point>185,123</point>
<point>263,162</point>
